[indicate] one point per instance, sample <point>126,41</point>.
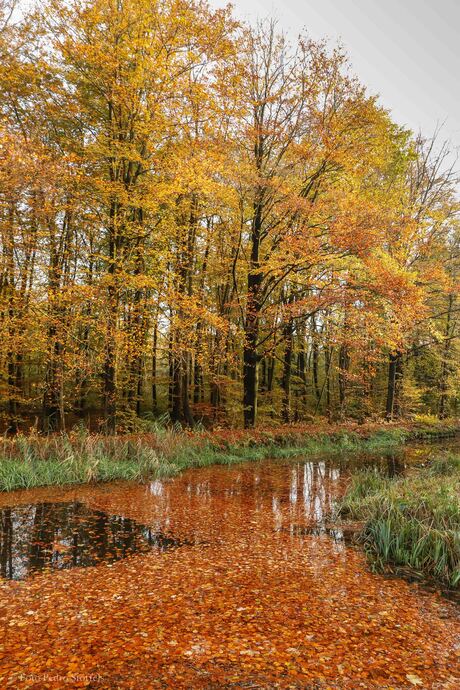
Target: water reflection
<point>338,534</point>
<point>213,505</point>
<point>65,535</point>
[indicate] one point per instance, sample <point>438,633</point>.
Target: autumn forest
<point>230,359</point>
<point>204,222</point>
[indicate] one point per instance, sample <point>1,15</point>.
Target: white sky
<point>407,51</point>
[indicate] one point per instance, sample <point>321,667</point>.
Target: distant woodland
<point>204,222</point>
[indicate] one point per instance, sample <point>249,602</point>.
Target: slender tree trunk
<point>263,378</point>
<point>198,392</point>
<point>251,328</point>
<point>154,367</point>
<point>12,371</point>
<point>270,374</point>
<point>344,365</point>
<point>394,385</point>
<point>58,274</point>
<point>215,397</point>
<point>287,370</point>
<point>443,386</point>
<point>327,374</point>
<point>302,370</point>
<point>188,416</point>
<point>81,377</point>
<point>176,390</point>
<point>250,377</point>
<point>109,371</point>
<point>181,411</point>
<point>181,355</point>
<point>315,359</point>
<point>138,324</point>
<point>52,403</point>
<point>9,289</point>
<point>110,391</point>
<point>12,394</point>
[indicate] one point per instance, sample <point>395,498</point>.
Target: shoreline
<point>80,458</point>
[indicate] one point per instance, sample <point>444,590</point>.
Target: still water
<point>88,525</point>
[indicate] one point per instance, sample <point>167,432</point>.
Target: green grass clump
<point>446,464</point>
<point>62,459</point>
<point>161,451</point>
<point>411,522</point>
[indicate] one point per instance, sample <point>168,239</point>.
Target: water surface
<point>53,536</point>
<point>297,496</point>
<point>223,577</point>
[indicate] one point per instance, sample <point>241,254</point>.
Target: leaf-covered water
<point>264,592</point>
<point>53,536</point>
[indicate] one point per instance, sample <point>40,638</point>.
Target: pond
<point>70,533</point>
<point>51,536</point>
<point>297,495</point>
<point>224,571</point>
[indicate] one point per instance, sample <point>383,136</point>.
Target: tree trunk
<point>12,394</point>
<point>394,385</point>
<point>287,369</point>
<point>327,374</point>
<point>270,374</point>
<point>110,391</point>
<point>250,379</point>
<point>154,368</point>
<point>176,389</point>
<point>188,416</point>
<point>52,402</point>
<point>443,387</point>
<point>180,410</point>
<point>263,377</point>
<point>53,397</point>
<point>344,365</point>
<point>109,371</point>
<point>251,327</point>
<point>315,359</point>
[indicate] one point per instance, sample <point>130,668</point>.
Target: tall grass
<point>411,522</point>
<point>159,451</point>
<point>81,458</point>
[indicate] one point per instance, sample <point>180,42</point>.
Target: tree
<point>202,221</point>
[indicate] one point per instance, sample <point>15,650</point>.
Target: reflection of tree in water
<point>43,531</point>
<point>6,543</point>
<point>390,464</point>
<point>313,489</point>
<point>288,492</point>
<point>65,535</point>
<point>395,465</point>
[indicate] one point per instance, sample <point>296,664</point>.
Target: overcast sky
<point>407,51</point>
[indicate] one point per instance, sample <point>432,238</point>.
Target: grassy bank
<point>411,523</point>
<point>79,457</point>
